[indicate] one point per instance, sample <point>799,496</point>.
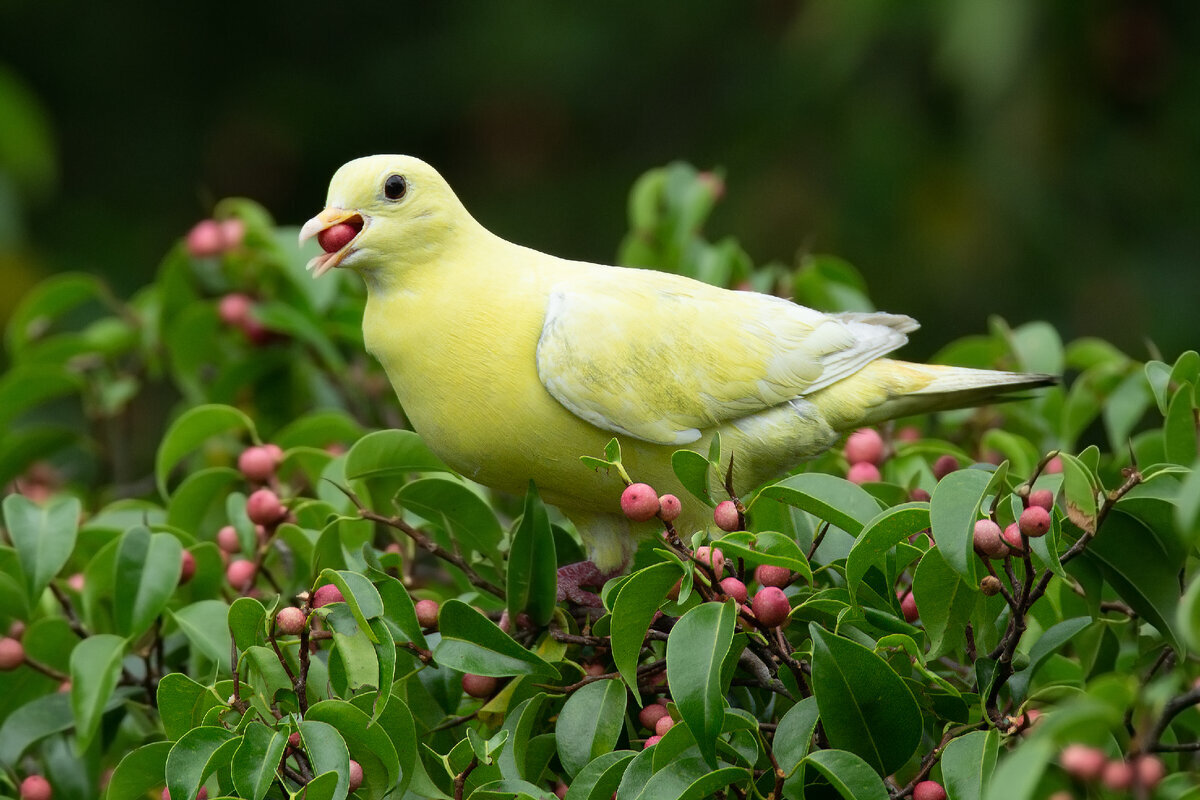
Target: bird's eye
<point>395,187</point>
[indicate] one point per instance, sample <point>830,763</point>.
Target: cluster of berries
<point>1089,765</point>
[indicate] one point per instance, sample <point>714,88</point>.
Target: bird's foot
<point>572,578</point>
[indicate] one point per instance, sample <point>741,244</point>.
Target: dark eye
<point>395,187</point>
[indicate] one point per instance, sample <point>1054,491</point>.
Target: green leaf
<point>1187,615</point>
<point>146,571</point>
<point>390,453</point>
<point>865,707</point>
<point>26,386</point>
<point>247,619</point>
<point>953,510</point>
<point>688,778</point>
<point>458,510</point>
<point>767,547</point>
<point>968,762</point>
<point>360,594</point>
<point>521,724</point>
<point>470,642</point>
<point>1079,492</point>
<point>204,624</point>
<point>880,535</point>
<point>196,755</point>
<point>945,601</point>
<point>1046,645</point>
<point>532,580</point>
<point>793,737</point>
<point>601,777</point>
<point>43,537</point>
<point>257,760</point>
<point>31,722</point>
<point>835,500</point>
<point>1179,426</point>
<point>139,772</point>
<point>367,743</point>
<point>191,430</point>
<point>183,703</point>
<point>327,751</point>
<point>46,302</point>
<point>398,607</point>
<point>640,596</point>
<point>95,671</point>
<point>696,650</point>
<point>851,777</point>
<point>1019,772</point>
<point>692,470</point>
<point>589,724</point>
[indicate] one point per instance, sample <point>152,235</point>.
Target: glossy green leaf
<point>140,771</point>
<point>95,671</point>
<point>1079,492</point>
<point>590,724</point>
<point>35,720</point>
<point>880,535</point>
<point>767,547</point>
<point>396,720</point>
<point>204,624</point>
<point>696,650</point>
<point>522,723</point>
<point>390,453</point>
<point>953,510</point>
<point>190,431</point>
<point>688,778</point>
<point>692,470</point>
<point>183,703</point>
<point>640,596</point>
<point>452,506</point>
<point>833,499</point>
<point>945,601</point>
<point>470,642</point>
<point>43,537</point>
<point>147,572</point>
<point>793,738</point>
<point>532,577</point>
<point>359,593</point>
<point>398,607</point>
<point>601,777</point>
<point>197,753</point>
<point>865,707</point>
<point>257,760</point>
<point>327,752</point>
<point>850,776</point>
<point>968,762</point>
<point>367,743</point>
<point>247,619</point>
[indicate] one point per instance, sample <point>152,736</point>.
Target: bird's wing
<point>660,358</point>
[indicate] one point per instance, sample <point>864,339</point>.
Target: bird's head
<point>384,213</point>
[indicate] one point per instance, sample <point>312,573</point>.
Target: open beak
<point>335,229</point>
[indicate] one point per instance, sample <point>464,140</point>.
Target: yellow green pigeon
<point>511,363</point>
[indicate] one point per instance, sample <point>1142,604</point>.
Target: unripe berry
<point>290,621</point>
<point>187,566</point>
<point>478,685</point>
<point>734,588</point>
<point>35,787</point>
<point>12,654</point>
<point>988,539</point>
<point>356,775</point>
<point>663,725</point>
<point>234,309</point>
<point>1034,521</point>
<point>908,606</point>
<point>944,466</point>
<point>1117,775</point>
<point>726,516</point>
<point>1043,498</point>
<point>990,585</point>
<point>711,557</point>
<point>1012,538</point>
<point>669,508</point>
<point>1082,762</point>
<point>263,507</point>
<point>205,239</point>
<point>228,540</point>
<point>257,464</point>
<point>75,582</point>
<point>241,574</point>
<point>863,472</point>
<point>639,502</point>
<point>233,230</point>
<point>771,575</point>
<point>294,739</point>
<point>653,740</point>
<point>1150,770</point>
<point>651,714</point>
<point>771,606</point>
<point>324,595</point>
<point>864,445</point>
<point>929,790</point>
<point>427,613</point>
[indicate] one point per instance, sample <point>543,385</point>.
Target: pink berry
<point>771,575</point>
<point>771,606</point>
<point>187,566</point>
<point>735,589</point>
<point>988,539</point>
<point>478,685</point>
<point>241,574</point>
<point>35,787</point>
<point>356,775</point>
<point>908,433</point>
<point>64,687</point>
<point>228,540</point>
<point>290,621</point>
<point>1053,466</point>
<point>257,464</point>
<point>336,237</point>
<point>639,502</point>
<point>726,516</point>
<point>653,740</point>
<point>663,725</point>
<point>1043,498</point>
<point>1082,762</point>
<point>234,309</point>
<point>1034,521</point>
<point>427,613</point>
<point>908,606</point>
<point>1012,538</point>
<point>205,239</point>
<point>651,714</point>
<point>711,557</point>
<point>75,582</point>
<point>669,508</point>
<point>324,595</point>
<point>1150,770</point>
<point>12,654</point>
<point>929,790</point>
<point>863,472</point>
<point>264,508</point>
<point>233,231</point>
<point>864,445</point>
<point>944,466</point>
<point>1117,775</point>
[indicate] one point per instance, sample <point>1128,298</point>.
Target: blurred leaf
<point>147,569</point>
<point>852,777</point>
<point>35,720</point>
<point>191,430</point>
<point>1180,426</point>
<point>640,596</point>
<point>885,531</point>
<point>458,510</point>
<point>589,724</point>
<point>43,537</point>
<point>95,671</point>
<point>471,642</point>
<point>1055,637</point>
<point>45,303</point>
<point>398,607</point>
<point>27,386</point>
<point>696,650</point>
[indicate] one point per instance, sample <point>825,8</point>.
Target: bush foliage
<point>141,665</point>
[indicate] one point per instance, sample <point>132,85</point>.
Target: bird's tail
<point>886,389</point>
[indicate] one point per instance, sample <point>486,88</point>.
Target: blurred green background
<point>1026,158</point>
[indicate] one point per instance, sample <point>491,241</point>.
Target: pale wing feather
<point>662,358</point>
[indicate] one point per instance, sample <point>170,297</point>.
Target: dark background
<point>1026,158</point>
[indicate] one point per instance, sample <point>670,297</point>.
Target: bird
<point>511,363</point>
